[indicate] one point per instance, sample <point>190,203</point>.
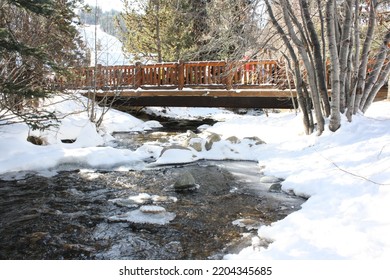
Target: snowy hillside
<point>109,48</point>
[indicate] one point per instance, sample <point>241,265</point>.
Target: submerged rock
<point>276,187</point>
<point>273,183</point>
<point>185,182</point>
<point>249,224</point>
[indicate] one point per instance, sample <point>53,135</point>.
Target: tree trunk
<point>373,77</point>
<point>311,76</point>
<point>364,57</point>
<point>334,123</point>
<point>302,99</point>
<point>388,89</point>
<point>158,38</point>
<point>318,59</point>
<point>344,52</point>
<point>356,60</point>
<point>379,84</point>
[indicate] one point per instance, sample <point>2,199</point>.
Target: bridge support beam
<point>203,101</point>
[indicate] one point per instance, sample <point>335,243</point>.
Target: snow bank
<point>84,146</point>
<point>110,51</point>
<point>346,174</point>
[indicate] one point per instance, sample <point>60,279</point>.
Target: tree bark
<point>334,122</point>
<point>158,36</point>
<point>379,84</point>
<point>318,58</point>
<point>373,77</point>
<point>302,100</point>
<point>311,76</point>
<point>344,52</point>
<point>364,57</point>
<point>356,60</point>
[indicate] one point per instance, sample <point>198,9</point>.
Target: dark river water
<point>81,214</point>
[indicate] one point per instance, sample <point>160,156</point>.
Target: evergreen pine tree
<point>37,40</point>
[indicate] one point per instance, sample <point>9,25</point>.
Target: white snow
<point>345,175</point>
<point>109,49</point>
<point>147,214</point>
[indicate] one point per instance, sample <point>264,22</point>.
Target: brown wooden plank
<point>202,92</point>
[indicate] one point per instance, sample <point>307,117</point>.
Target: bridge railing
<point>219,74</point>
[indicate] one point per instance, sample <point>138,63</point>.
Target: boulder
<point>193,141</point>
<point>275,187</point>
<point>233,140</point>
<point>196,144</point>
<point>36,140</point>
<point>211,139</point>
<point>270,180</point>
<point>185,182</point>
<point>255,139</point>
<point>191,134</point>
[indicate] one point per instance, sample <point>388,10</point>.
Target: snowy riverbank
<point>346,174</point>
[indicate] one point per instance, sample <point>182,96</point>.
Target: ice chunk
<point>147,214</point>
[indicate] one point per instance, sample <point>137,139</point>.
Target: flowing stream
<point>81,214</point>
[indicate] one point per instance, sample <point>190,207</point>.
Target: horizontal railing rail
<point>221,74</point>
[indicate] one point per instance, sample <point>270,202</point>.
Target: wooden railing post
<point>99,76</point>
<point>229,73</point>
<point>138,75</point>
<point>180,75</point>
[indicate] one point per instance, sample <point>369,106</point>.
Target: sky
<point>106,5</point>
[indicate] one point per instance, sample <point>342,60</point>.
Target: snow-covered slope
<point>109,48</point>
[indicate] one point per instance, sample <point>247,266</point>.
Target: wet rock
<point>68,141</point>
<point>124,203</point>
<point>36,237</point>
<point>275,187</point>
<point>249,224</point>
<point>270,180</point>
<point>233,140</point>
<point>185,182</point>
<point>133,201</point>
<point>256,139</point>
<point>174,248</point>
<point>78,248</point>
<point>211,139</point>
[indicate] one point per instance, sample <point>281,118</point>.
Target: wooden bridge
<point>241,84</point>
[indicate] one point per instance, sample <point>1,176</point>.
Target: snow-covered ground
<point>345,175</point>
